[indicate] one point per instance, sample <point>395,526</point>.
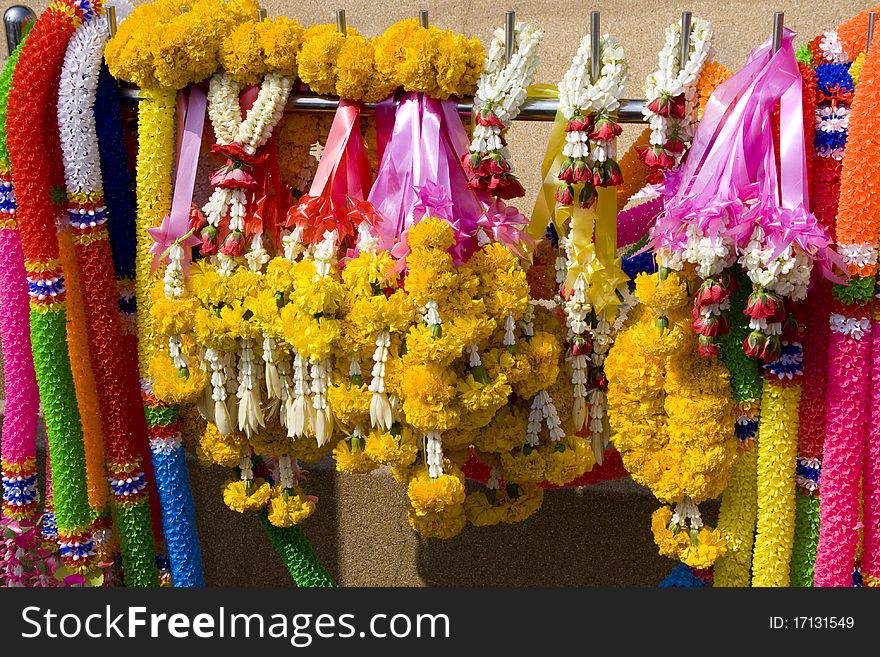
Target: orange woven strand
<point>633,170</point>
<point>860,180</point>
<point>83,377</point>
<point>853,34</point>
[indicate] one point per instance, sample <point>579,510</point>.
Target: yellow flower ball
<point>289,507</point>
<point>436,495</point>
<point>350,461</point>
<point>237,498</point>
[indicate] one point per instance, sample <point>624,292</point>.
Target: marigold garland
<point>671,416</point>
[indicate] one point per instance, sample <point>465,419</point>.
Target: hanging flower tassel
<point>322,416</point>
<point>250,411</point>
<point>380,408</point>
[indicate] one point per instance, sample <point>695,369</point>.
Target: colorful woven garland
<point>32,140</point>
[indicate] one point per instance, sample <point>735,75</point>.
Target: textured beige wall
<point>587,537</point>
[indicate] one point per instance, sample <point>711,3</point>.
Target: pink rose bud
<point>581,171</point>
<point>660,106</point>
<point>677,107</point>
<point>581,347</point>
<point>234,244</point>
<point>754,344</point>
<point>761,305</point>
<point>772,347</point>
<point>709,346</point>
<point>565,194</point>
<point>577,124</point>
<point>208,236</point>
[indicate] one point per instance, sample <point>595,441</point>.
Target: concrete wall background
<point>598,536</point>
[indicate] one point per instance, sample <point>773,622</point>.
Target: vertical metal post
<point>685,43</point>
<point>872,18</point>
<point>262,14</point>
<point>341,25</point>
<point>423,18</point>
<point>778,24</point>
<point>509,35</point>
<point>14,21</point>
<point>111,20</point>
<point>595,37</point>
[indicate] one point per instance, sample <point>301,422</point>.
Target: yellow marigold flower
<point>437,495</point>
<point>364,274</point>
<point>525,504</point>
<point>433,524</point>
<point>290,507</point>
<point>481,512</point>
<point>236,497</point>
<point>171,386</point>
<point>173,316</point>
<point>428,391</point>
<point>317,59</point>
<point>855,69</point>
<point>476,396</point>
<point>206,284</point>
<point>350,461</point>
<point>399,451</point>
<point>216,449</point>
<point>567,460</point>
<point>525,466</point>
<point>543,352</point>
<point>350,404</point>
<point>710,545</point>
<point>667,294</point>
<point>506,430</point>
<point>355,68</point>
<point>430,233</point>
<point>256,48</point>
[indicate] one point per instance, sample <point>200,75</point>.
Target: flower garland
<point>847,438</point>
<point>30,143</point>
<point>738,515</point>
<point>256,48</point>
<point>126,434</point>
<point>20,497</point>
<point>589,107</point>
<point>501,92</point>
<point>672,417</point>
<point>23,562</point>
<point>671,93</point>
<point>831,114</point>
<point>160,46</point>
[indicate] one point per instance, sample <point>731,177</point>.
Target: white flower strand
<point>578,95</point>
<point>671,81</point>
<point>543,410</point>
<point>250,412</point>
<point>380,407</point>
<point>434,454</point>
<point>502,86</point>
<point>298,410</point>
<point>218,392</point>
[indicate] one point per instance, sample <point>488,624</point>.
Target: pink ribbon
<point>423,156</point>
<point>731,181</point>
<point>341,180</point>
<point>176,225</point>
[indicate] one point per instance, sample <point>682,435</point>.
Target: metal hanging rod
<point>534,109</point>
<point>14,21</point>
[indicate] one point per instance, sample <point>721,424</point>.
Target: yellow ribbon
<point>596,259</point>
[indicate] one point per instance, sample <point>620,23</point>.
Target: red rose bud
<point>478,182</point>
<point>696,309</point>
<point>700,324</point>
<point>196,218</point>
<point>580,346</point>
<point>208,235</point>
<point>234,244</point>
<point>489,118</point>
<point>588,196</point>
<point>471,161</point>
<point>577,124</point>
<point>507,187</point>
<point>660,106</point>
<point>709,346</point>
<point>754,343</point>
<point>566,171</point>
<point>791,332</point>
<point>565,194</point>
<point>665,159</point>
<point>674,145</point>
<point>677,107</point>
<point>771,349</point>
<point>710,293</point>
<point>651,156</point>
<point>497,165</point>
<point>581,171</point>
<point>762,305</point>
<point>605,130</point>
<point>616,177</point>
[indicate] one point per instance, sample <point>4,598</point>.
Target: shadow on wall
<point>587,537</point>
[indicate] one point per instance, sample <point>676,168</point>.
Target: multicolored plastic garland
<point>30,137</point>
